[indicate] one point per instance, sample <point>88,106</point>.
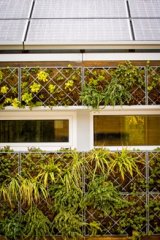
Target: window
<point>48,130</point>
<point>137,130</point>
<point>34,131</point>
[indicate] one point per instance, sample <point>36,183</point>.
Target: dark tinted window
<point>126,130</point>
<point>34,131</point>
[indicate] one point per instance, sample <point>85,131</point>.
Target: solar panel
<point>69,21</point>
<point>15,8</point>
<point>78,30</point>
<point>146,29</point>
<point>144,8</point>
<point>12,30</point>
<point>79,9</point>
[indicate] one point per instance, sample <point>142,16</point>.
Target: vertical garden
<point>125,84</point>
<point>73,194</point>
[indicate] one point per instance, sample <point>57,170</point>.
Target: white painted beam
<point>75,57</point>
<point>78,57</point>
<point>121,56</point>
<point>103,45</point>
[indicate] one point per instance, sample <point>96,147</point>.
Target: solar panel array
<point>80,9</point>
<point>61,21</point>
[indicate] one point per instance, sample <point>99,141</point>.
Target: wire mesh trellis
<point>62,86</point>
<point>101,78</point>
<point>153,88</point>
<point>141,191</point>
<point>51,86</point>
<point>8,84</point>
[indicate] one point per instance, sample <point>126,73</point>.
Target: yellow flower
<point>15,103</point>
<point>42,76</point>
<point>51,88</point>
<point>35,87</point>
<point>4,89</point>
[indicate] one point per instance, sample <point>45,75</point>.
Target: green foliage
<point>73,172</point>
<point>36,224</point>
<point>98,161</point>
<point>62,86</point>
<point>67,192</point>
<point>69,224</point>
<point>154,210</point>
<point>116,94</point>
<point>29,191</point>
<point>32,162</point>
<point>103,196</point>
<point>67,199</point>
<point>90,96</point>
<point>132,217</point>
<point>9,191</point>
<point>8,163</point>
<point>154,180</point>
<point>1,76</point>
<point>124,163</point>
<point>114,90</point>
<point>123,79</point>
<point>128,74</point>
<point>94,227</point>
<point>12,227</point>
<point>153,77</point>
<point>50,173</point>
<point>6,149</point>
<point>8,86</point>
<point>136,235</point>
<point>51,86</point>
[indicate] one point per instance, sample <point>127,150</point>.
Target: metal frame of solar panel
<point>43,21</point>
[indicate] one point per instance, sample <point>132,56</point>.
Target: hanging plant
<point>153,77</point>
<point>115,88</point>
<point>36,224</point>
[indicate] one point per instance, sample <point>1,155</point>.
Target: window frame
<point>42,115</point>
<point>124,111</point>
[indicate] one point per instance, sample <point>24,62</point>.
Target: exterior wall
<point>81,126</point>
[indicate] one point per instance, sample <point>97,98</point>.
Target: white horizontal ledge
<point>128,110</point>
<point>133,109</point>
<point>121,56</point>
<point>68,45</point>
<point>78,57</point>
<point>73,57</point>
<point>92,45</point>
<point>132,148</point>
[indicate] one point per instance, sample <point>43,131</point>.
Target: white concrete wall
<point>83,130</point>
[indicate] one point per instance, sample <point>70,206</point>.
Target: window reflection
<point>126,130</point>
<point>34,131</point>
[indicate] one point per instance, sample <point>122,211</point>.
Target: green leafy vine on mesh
<point>113,88</point>
<point>56,188</point>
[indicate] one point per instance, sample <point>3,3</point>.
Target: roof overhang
<point>11,46</point>
<point>92,45</point>
<point>112,45</point>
